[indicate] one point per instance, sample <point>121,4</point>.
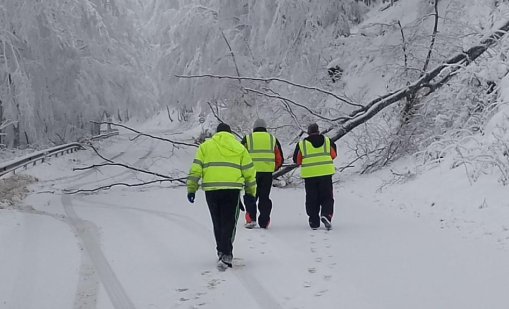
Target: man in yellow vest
<point>265,150</point>
<point>315,154</point>
<point>225,168</point>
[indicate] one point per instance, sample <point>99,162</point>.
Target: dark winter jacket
<point>316,140</point>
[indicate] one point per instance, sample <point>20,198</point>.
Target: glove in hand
<point>190,197</point>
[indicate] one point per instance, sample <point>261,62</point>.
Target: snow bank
<point>14,189</point>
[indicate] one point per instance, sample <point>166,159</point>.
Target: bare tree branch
<point>216,115</point>
<point>271,79</point>
<point>294,103</point>
<point>122,184</point>
<point>403,45</point>
<point>287,108</point>
<point>123,165</point>
<point>448,68</point>
<point>144,134</point>
<point>101,156</point>
<point>433,38</point>
<point>233,55</point>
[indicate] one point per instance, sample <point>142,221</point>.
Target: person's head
<point>313,129</point>
<point>223,127</point>
<point>260,123</point>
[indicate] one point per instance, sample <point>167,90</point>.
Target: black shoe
<point>326,222</point>
<point>227,259</point>
<point>264,225</point>
<point>314,224</point>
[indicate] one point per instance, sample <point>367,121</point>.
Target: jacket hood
<point>316,139</point>
<point>227,144</point>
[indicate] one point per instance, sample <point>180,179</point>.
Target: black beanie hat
<point>223,127</point>
<point>313,128</point>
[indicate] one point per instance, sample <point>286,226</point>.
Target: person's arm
<point>297,155</point>
<point>195,172</point>
<point>279,158</point>
<point>249,173</point>
<point>333,150</point>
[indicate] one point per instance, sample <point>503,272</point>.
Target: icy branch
<point>148,135</point>
<point>272,79</point>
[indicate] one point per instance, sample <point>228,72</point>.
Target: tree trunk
<point>1,121</point>
<point>16,140</point>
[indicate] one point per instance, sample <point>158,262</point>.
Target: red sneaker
<point>250,223</point>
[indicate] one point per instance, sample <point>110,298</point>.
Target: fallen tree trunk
<point>430,81</point>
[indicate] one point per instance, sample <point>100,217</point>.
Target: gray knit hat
<point>259,123</point>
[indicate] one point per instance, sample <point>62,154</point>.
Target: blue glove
<point>250,201</point>
<point>190,197</point>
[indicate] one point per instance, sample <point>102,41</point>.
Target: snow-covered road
<point>148,248</point>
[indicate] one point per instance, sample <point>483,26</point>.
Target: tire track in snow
<point>118,297</point>
<point>262,296</point>
<point>94,265</point>
<point>85,231</point>
<point>91,296</point>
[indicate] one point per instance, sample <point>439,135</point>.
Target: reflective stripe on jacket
<point>316,161</point>
<point>222,162</point>
<point>261,148</point>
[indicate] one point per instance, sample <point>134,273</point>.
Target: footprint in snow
<point>320,293</point>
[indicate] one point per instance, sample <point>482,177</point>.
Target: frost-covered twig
<point>232,54</point>
<point>144,134</point>
<point>271,79</point>
<point>122,165</point>
<point>274,96</point>
<point>433,38</point>
<point>215,112</point>
<point>122,184</point>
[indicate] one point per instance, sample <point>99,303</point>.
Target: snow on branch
<point>274,96</point>
<point>7,123</point>
<point>122,184</point>
<point>271,79</point>
<point>444,72</point>
<point>148,135</point>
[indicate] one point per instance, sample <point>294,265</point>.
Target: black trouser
<point>319,199</point>
<point>263,186</point>
<point>224,211</point>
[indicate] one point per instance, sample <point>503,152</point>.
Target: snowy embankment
<point>434,241</point>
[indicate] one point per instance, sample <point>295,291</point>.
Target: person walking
<point>267,155</point>
<point>315,155</point>
<point>225,168</point>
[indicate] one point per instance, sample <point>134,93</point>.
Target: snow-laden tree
<point>247,38</point>
<point>65,63</point>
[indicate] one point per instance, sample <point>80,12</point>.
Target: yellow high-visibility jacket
<point>316,161</point>
<point>261,147</point>
<point>222,162</point>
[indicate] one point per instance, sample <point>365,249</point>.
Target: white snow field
<point>425,243</point>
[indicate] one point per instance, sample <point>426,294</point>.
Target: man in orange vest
<point>315,154</point>
<point>265,150</point>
